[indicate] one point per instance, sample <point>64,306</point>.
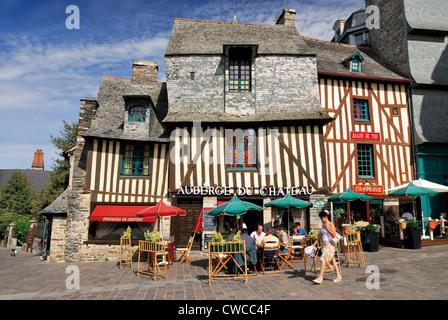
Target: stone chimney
<point>38,162</point>
<point>287,17</point>
<point>144,72</point>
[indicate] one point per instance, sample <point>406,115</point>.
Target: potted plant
<point>351,228</point>
<point>236,238</point>
<point>414,239</point>
<point>373,233</point>
<point>216,239</point>
<point>314,234</point>
<point>127,233</point>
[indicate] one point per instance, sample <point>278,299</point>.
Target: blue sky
<point>45,68</point>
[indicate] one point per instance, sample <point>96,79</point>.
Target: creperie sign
<point>356,135</point>
<point>368,189</point>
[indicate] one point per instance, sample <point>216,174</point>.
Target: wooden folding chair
<point>285,256</point>
<point>185,251</point>
<point>354,248</point>
<point>310,242</point>
<point>125,252</point>
<point>269,259</point>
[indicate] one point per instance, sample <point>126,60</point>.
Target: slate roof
<point>36,178</point>
<point>110,115</point>
<point>331,57</point>
<point>191,36</point>
<point>59,206</point>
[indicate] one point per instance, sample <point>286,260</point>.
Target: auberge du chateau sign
<point>244,191</point>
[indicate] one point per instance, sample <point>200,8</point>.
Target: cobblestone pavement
<point>403,274</point>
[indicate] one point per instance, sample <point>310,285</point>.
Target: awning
<point>119,213</point>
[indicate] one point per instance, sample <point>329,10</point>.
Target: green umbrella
<point>234,207</point>
<point>287,202</point>
<point>412,190</point>
<point>349,195</point>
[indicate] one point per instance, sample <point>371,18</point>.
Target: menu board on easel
<point>208,226</point>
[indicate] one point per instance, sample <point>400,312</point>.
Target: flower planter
<point>414,240</point>
<point>374,238</point>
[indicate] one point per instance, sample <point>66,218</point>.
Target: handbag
<point>310,251</point>
<point>336,239</point>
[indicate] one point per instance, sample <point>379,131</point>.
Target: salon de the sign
<point>244,191</point>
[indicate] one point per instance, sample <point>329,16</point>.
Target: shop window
<point>241,149</point>
<point>365,161</point>
<point>135,160</point>
<point>114,230</point>
<point>361,110</point>
<point>240,78</point>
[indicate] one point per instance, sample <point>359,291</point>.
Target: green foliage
<point>412,225</point>
<point>217,237</point>
<point>314,234</point>
<point>22,226</point>
<point>59,177</point>
<point>372,227</point>
<point>237,237</point>
<point>127,233</point>
<point>15,199</point>
<point>351,228</point>
<point>152,237</point>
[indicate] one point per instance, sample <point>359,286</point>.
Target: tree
<point>16,199</point>
<point>59,177</point>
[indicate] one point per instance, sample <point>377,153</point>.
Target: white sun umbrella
<point>425,184</point>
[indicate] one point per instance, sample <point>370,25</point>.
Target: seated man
<point>299,231</point>
<point>258,235</point>
<point>282,238</point>
<point>269,237</point>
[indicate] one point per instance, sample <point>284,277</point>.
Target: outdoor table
<point>152,265</point>
<point>224,252</point>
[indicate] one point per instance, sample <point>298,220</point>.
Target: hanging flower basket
<point>402,224</point>
<point>432,225</point>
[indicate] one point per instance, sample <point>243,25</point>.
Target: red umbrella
<point>161,210</point>
<point>198,226</point>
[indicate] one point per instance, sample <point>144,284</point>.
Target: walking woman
<point>328,231</point>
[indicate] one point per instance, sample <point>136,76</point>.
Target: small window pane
<point>137,114</point>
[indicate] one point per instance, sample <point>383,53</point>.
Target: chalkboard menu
<point>208,220</point>
<point>207,236</point>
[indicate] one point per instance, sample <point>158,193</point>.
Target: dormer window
<point>137,109</point>
<point>137,114</point>
<point>355,62</point>
<point>240,75</point>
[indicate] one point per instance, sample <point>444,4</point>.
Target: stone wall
<point>390,39</point>
<point>78,197</point>
<point>57,242</point>
<point>281,83</point>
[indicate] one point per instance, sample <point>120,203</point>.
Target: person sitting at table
<point>269,237</point>
<point>258,234</point>
<point>251,250</point>
<point>406,215</point>
<point>299,231</point>
<point>282,239</point>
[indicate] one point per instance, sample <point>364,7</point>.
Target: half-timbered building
<point>245,119</point>
<point>368,144</point>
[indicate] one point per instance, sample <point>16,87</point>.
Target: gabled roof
<point>191,36</point>
<point>110,115</point>
<point>58,207</point>
<point>331,57</point>
<point>36,178</point>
